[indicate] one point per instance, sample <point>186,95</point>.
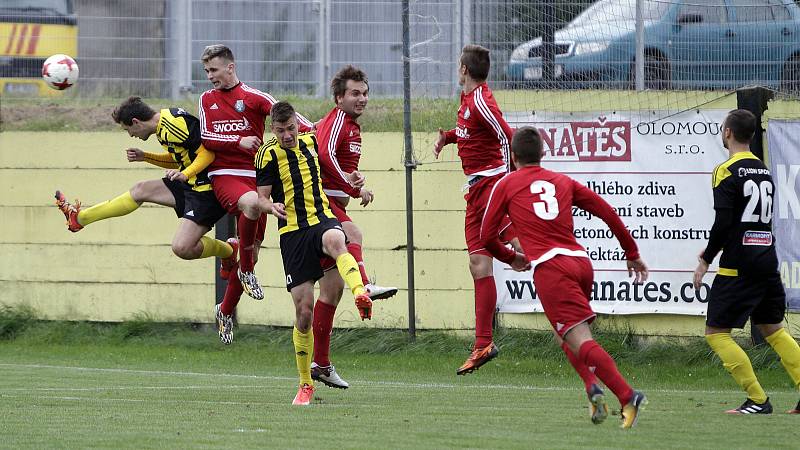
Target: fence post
<point>639,61</point>
<point>180,49</point>
<point>755,100</point>
<point>410,165</point>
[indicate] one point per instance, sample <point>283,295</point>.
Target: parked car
<point>695,44</point>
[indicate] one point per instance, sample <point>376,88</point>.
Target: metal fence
<point>152,47</point>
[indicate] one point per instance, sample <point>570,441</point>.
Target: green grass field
<point>147,385</point>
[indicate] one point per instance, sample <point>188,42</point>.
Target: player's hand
<point>366,196</point>
<point>357,179</point>
<point>640,268</point>
<point>520,263</point>
<point>702,268</point>
<point>437,146</point>
<point>278,210</point>
<point>176,175</point>
<point>134,154</point>
<point>250,142</point>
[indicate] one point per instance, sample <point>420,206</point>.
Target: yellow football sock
<point>303,348</point>
<point>215,247</point>
<point>348,269</point>
<point>786,347</point>
<point>735,361</point>
<point>124,204</point>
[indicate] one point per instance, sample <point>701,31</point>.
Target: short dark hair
<point>476,58</point>
<point>527,145</point>
<point>216,51</point>
<point>132,108</point>
<point>742,124</point>
<point>281,112</point>
<point>339,81</point>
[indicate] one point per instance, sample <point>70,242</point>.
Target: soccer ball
<point>60,72</point>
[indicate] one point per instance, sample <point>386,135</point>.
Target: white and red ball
<point>60,72</point>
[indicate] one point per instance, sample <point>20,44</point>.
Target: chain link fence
<point>152,47</point>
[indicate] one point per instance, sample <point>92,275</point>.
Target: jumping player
<point>483,138</point>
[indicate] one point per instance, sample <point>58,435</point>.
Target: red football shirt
<point>228,115</point>
<point>539,203</point>
<point>339,141</point>
<point>482,135</point>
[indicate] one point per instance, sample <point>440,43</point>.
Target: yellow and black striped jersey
<point>179,134</point>
<point>294,175</point>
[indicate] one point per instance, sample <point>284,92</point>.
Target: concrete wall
<point>120,267</point>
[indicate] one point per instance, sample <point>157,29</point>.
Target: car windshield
<point>606,11</point>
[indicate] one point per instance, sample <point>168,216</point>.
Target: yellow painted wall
<point>121,267</point>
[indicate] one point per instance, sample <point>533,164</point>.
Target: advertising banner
<point>657,176</point>
<point>783,138</point>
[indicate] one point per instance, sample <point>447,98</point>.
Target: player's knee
<point>248,204</point>
<point>353,233</point>
<point>184,250</point>
<point>480,266</point>
<point>303,317</point>
<point>139,191</point>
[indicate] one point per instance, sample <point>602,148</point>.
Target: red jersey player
<point>539,203</point>
<point>339,138</point>
<point>483,138</point>
<point>232,120</point>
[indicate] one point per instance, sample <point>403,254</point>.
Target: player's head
<point>739,126</point>
<point>220,66</point>
<point>350,90</point>
<point>474,63</point>
<point>135,117</point>
<point>284,124</point>
<point>526,147</point>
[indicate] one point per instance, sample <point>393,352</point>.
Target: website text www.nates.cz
<point>624,291</point>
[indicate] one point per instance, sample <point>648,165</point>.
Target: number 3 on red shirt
<point>547,206</point>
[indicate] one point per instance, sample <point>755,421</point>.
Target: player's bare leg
<point>247,226</point>
<point>484,350</point>
<point>331,287</point>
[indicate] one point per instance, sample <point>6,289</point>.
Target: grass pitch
<point>146,385</point>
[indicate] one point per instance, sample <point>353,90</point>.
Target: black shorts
<point>202,208</point>
<point>758,297</point>
<point>301,251</point>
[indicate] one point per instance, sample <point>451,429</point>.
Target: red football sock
<point>593,355</point>
<point>583,371</point>
<point>323,325</point>
<point>485,304</point>
<point>232,293</point>
<point>355,250</point>
<point>247,235</point>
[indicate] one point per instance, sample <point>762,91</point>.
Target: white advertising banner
<point>784,158</point>
<point>657,176</point>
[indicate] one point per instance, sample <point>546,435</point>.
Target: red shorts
<point>229,188</point>
<point>564,285</point>
<point>477,198</point>
<point>339,210</point>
